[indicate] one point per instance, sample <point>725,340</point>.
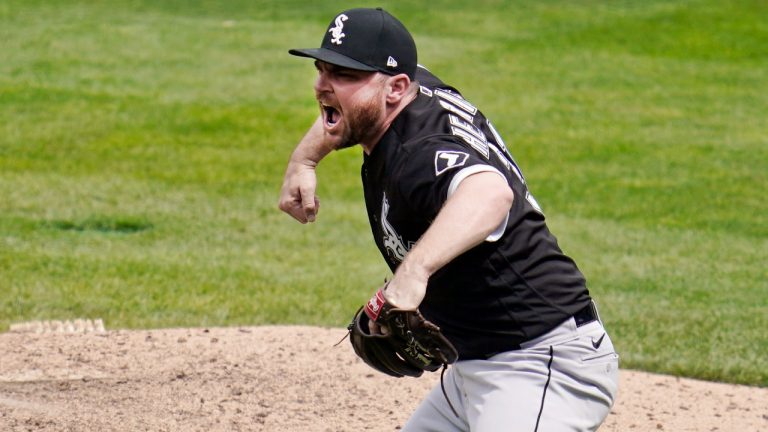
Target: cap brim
<point>332,57</point>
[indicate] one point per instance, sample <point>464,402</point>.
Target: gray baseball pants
<point>563,381</point>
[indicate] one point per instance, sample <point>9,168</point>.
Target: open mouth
<point>331,115</point>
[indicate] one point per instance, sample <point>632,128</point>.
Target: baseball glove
<point>411,345</point>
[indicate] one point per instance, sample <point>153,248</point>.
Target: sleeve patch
<point>447,159</point>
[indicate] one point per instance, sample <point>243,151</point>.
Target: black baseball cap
<point>366,39</point>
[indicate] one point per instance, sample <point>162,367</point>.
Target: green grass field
<point>142,147</point>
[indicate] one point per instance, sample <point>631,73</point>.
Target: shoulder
<point>428,80</point>
<point>437,156</point>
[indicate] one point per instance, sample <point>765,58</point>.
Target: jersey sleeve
<point>434,172</point>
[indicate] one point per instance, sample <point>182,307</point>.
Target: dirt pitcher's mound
<point>279,379</point>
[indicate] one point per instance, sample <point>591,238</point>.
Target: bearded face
<point>352,104</point>
<point>361,120</point>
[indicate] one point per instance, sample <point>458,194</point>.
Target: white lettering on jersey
<point>457,100</point>
<point>470,133</point>
<point>455,110</point>
<point>533,202</point>
<point>393,242</point>
<point>336,31</point>
<point>447,159</point>
<point>503,153</point>
<point>462,117</point>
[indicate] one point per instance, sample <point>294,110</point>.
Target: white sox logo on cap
<point>368,40</point>
<point>337,30</point>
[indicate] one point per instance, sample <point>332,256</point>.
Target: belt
<point>586,315</point>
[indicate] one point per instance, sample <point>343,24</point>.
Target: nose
<point>321,83</point>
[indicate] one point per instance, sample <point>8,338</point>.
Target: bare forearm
<point>313,147</point>
<point>470,215</point>
<point>297,195</point>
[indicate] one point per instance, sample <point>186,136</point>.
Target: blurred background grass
<point>142,147</point>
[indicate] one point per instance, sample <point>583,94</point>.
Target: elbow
<point>504,199</point>
<point>498,198</point>
<point>499,208</point>
<point>502,204</point>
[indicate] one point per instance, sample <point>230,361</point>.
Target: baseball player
<point>468,245</point>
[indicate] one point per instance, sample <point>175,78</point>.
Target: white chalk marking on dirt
<point>38,375</point>
<point>56,326</point>
<point>47,409</point>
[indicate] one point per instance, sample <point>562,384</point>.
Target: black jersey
<point>513,287</point>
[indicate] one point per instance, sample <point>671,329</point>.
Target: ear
<point>397,87</point>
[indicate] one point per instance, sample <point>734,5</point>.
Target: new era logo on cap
<point>368,40</point>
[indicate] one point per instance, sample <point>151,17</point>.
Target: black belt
<point>583,317</point>
<point>586,315</point>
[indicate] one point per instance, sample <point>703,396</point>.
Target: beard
<point>361,123</point>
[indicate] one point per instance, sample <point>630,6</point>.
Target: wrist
<point>407,288</point>
<point>300,160</point>
<point>376,305</point>
<point>415,266</point>
<point>313,147</point>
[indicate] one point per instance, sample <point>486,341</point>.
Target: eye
<point>349,74</point>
